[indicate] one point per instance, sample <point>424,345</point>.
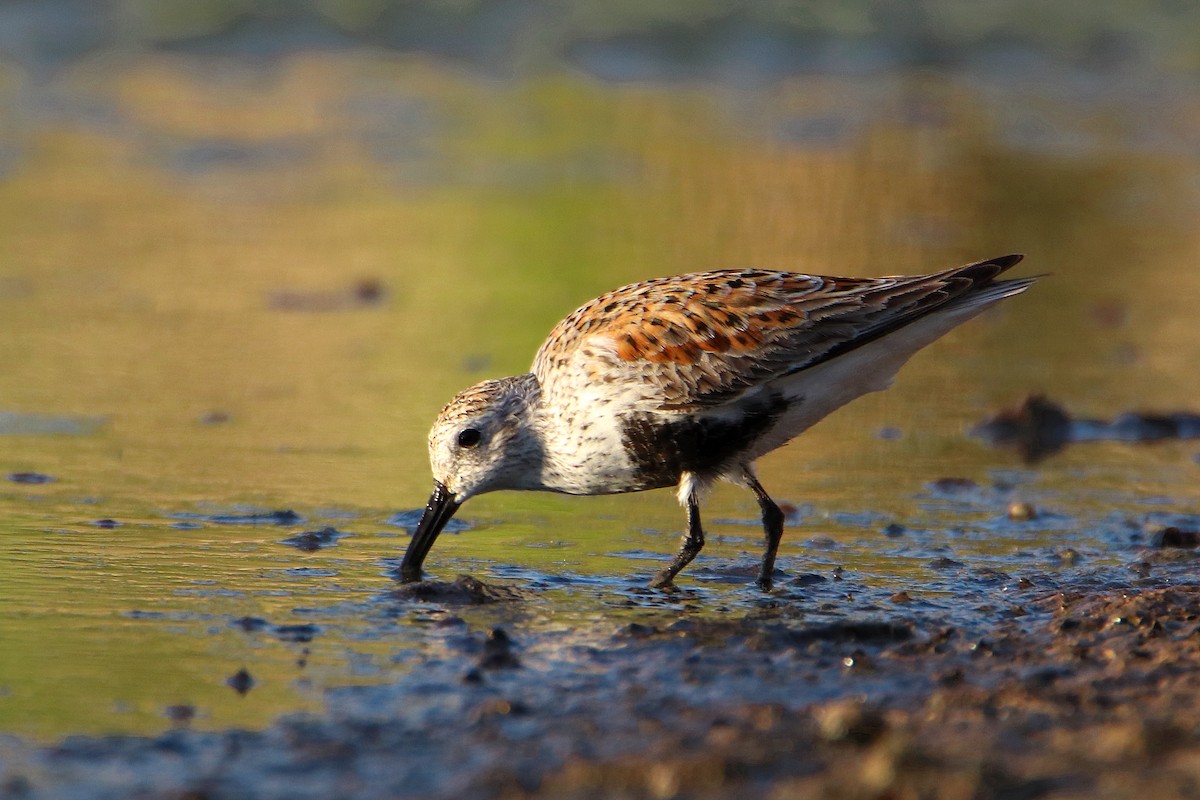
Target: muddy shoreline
<point>1073,690</point>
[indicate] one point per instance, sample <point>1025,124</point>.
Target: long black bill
<point>438,511</point>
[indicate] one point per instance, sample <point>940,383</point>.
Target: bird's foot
<point>663,580</point>
<point>766,580</point>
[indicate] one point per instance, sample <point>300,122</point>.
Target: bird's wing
<point>699,340</point>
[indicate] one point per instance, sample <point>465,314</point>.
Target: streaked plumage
<point>683,380</point>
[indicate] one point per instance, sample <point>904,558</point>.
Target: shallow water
<point>231,288</point>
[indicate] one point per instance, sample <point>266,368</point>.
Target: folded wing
<point>695,341</point>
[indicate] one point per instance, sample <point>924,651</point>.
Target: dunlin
<point>681,381</point>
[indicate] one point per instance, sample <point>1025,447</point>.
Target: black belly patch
<point>662,448</point>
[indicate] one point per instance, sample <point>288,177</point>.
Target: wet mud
<point>1077,688</point>
<point>463,590</point>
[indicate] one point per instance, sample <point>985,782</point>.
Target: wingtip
<point>1011,260</point>
<point>979,273</point>
<point>1008,261</point>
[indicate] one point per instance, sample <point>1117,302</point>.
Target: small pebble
<point>240,681</point>
<point>1068,556</point>
<point>498,652</point>
<point>952,677</point>
<point>180,714</point>
<point>858,660</point>
<point>1020,511</point>
<point>849,720</point>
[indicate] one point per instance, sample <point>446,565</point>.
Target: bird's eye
<point>469,437</point>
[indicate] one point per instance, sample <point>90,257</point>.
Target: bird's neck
<point>578,445</point>
<point>562,446</point>
<point>525,450</point>
<point>535,451</point>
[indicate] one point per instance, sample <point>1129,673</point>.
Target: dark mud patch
<point>757,632</point>
<point>464,590</point>
<point>300,633</point>
<point>1174,536</point>
<point>241,681</point>
<point>283,517</point>
<point>1091,693</point>
<point>312,541</point>
<point>31,478</point>
<point>1039,427</point>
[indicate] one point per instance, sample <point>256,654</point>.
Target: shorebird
<point>685,380</point>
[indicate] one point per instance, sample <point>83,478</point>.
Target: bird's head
<point>481,441</point>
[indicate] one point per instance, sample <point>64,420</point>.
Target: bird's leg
<point>693,543</point>
<point>772,519</point>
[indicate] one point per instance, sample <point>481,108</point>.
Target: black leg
<point>772,519</point>
<point>693,543</point>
